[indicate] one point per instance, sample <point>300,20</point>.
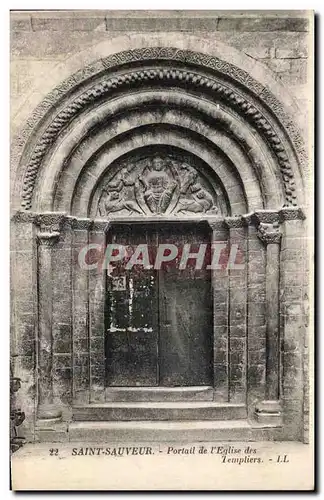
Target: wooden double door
<point>158,321</point>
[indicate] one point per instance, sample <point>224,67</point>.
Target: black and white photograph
<point>161,250</point>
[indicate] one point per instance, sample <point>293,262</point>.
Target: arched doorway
<point>157,140</point>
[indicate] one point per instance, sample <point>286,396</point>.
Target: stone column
<point>256,316</point>
<point>49,232</point>
<point>270,235</point>
<point>219,280</point>
<point>295,290</point>
<point>97,289</point>
<point>80,314</point>
<point>23,330</point>
<point>237,309</point>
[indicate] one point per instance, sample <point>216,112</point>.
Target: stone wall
<point>279,41</point>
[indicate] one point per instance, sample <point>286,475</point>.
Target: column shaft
<point>46,406</point>
<point>272,315</point>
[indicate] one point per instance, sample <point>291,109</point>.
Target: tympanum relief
<point>158,185</point>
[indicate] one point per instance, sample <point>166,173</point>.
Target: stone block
<point>268,412</point>
<point>236,358</point>
<point>259,52</point>
<point>81,381</point>
<point>220,356</point>
<point>257,357</point>
<point>56,434</point>
<point>257,342</point>
<point>237,330</point>
<point>98,370</point>
<point>256,293</point>
<point>62,361</point>
<point>257,377</point>
<point>25,348</point>
<point>290,278</point>
<point>256,318</point>
<point>237,371</point>
<point>62,331</point>
<point>299,68</point>
<point>81,345</point>
<point>26,362</point>
<point>62,384</point>
<point>256,278</point>
<point>97,390</point>
<point>291,294</point>
<point>291,345</point>
<point>220,295</point>
<point>220,374</point>
<point>279,65</point>
<point>262,23</point>
<point>20,22</point>
<point>62,346</point>
<point>291,52</point>
<point>220,308</point>
<point>76,22</point>
<point>97,344</point>
<point>293,309</point>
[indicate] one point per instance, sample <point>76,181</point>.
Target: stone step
<point>176,394</point>
<point>159,411</point>
<point>158,431</point>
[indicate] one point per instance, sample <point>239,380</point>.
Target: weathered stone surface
<point>241,298</point>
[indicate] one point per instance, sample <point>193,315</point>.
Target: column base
<point>268,412</point>
<point>49,412</point>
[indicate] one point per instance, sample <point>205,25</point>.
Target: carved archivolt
<point>182,77</point>
<point>158,185</point>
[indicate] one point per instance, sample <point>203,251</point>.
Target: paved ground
<point>210,466</point>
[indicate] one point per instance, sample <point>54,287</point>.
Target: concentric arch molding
<point>109,84</point>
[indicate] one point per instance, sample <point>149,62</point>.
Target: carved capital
<point>101,226</point>
<point>269,233</point>
<point>237,221</point>
<point>291,213</point>
<point>50,222</point>
<point>267,216</point>
<point>81,224</point>
<point>23,216</point>
<point>216,224</point>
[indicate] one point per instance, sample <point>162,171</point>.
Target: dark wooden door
<point>159,322</point>
<point>132,314</point>
<point>185,320</point>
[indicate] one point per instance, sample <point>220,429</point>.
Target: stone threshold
<point>129,411</point>
<point>159,431</point>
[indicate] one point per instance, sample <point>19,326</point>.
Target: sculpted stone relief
<point>158,185</point>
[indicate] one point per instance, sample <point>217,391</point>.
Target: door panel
<point>185,353</point>
<point>131,314</point>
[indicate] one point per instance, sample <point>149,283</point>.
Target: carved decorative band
<point>100,226</point>
<point>291,213</point>
<point>55,221</point>
<point>171,75</point>
<point>216,224</point>
<point>235,222</point>
<point>267,216</point>
<point>81,224</point>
